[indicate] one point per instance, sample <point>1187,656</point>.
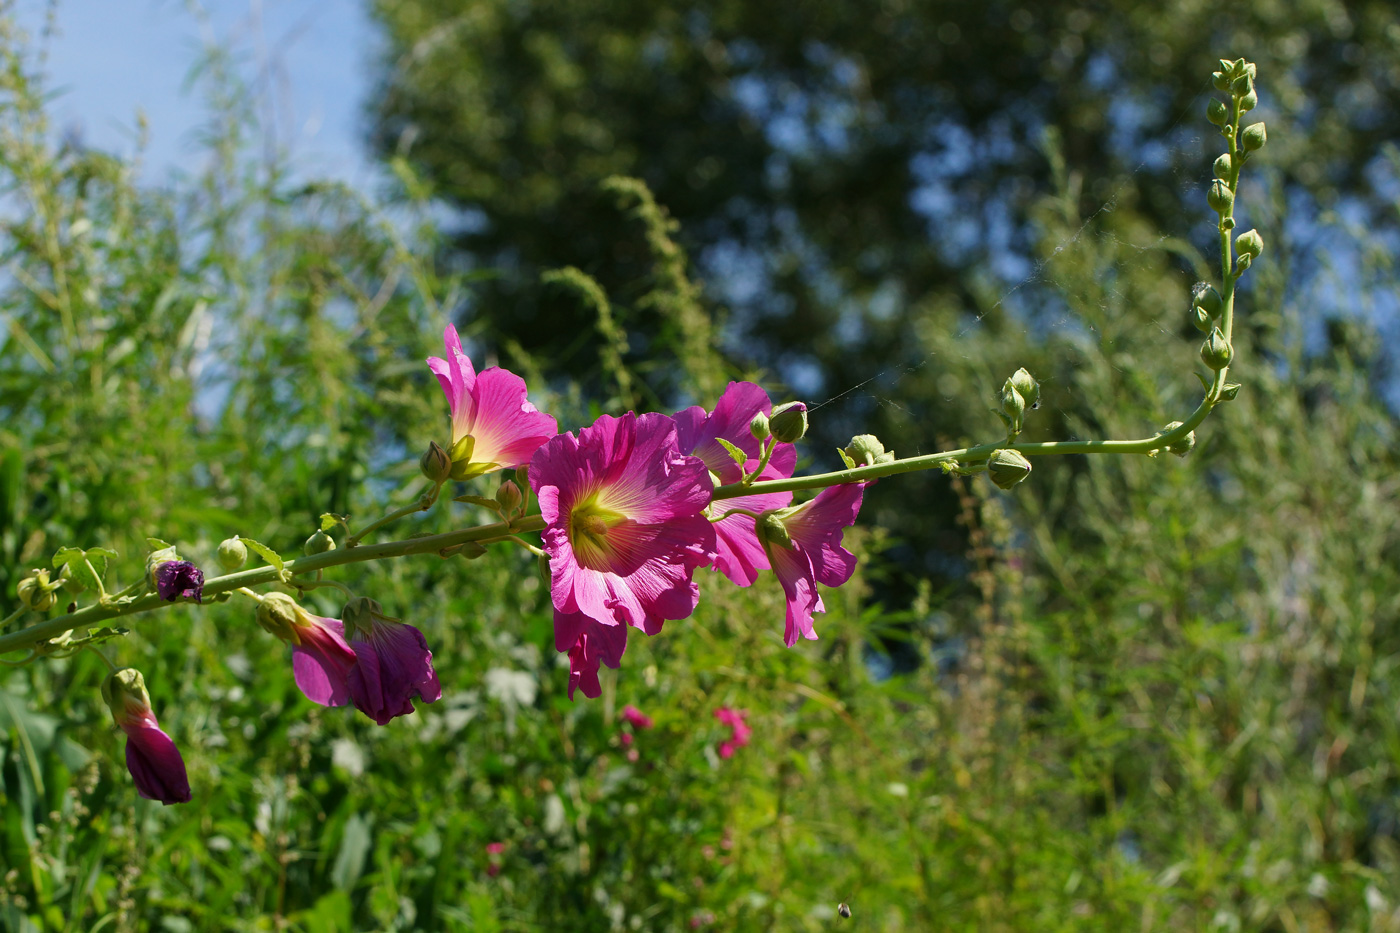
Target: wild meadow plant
<point>627,510</point>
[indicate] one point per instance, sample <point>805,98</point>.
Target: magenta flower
<point>739,731</point>
<point>494,426</point>
<point>392,663</point>
<point>321,658</point>
<point>739,555</point>
<point>803,544</point>
<point>179,579</point>
<point>636,717</point>
<point>151,757</point>
<point>624,531</point>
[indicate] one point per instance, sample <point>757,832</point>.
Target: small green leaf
<point>735,454</point>
<point>482,501</point>
<point>97,556</point>
<point>846,458</point>
<point>1205,383</point>
<point>157,544</point>
<point>1229,391</point>
<point>87,567</point>
<point>263,551</point>
<point>330,520</point>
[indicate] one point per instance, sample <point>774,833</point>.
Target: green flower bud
<point>1249,101</point>
<point>319,543</point>
<point>1026,386</point>
<point>1182,447</point>
<point>435,463</point>
<point>866,450</point>
<point>1254,137</point>
<point>124,692</point>
<point>1222,166</point>
<point>1220,198</point>
<point>1007,468</point>
<point>1249,69</point>
<point>1206,298</point>
<point>771,530</point>
<point>1221,80</point>
<point>1216,112</point>
<point>279,615</point>
<point>233,553</point>
<point>472,550</point>
<point>789,422</point>
<point>508,495</point>
<point>1014,407</point>
<point>1242,85</point>
<point>1216,352</point>
<point>35,591</point>
<point>1201,319</point>
<point>1250,244</point>
<point>758,427</point>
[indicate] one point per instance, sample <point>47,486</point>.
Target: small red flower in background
<point>493,852</point>
<point>739,730</point>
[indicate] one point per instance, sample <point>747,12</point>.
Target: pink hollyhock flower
<point>392,663</point>
<point>494,426</point>
<point>738,553</point>
<point>739,730</point>
<point>803,544</point>
<point>624,531</point>
<point>636,717</point>
<point>151,757</point>
<point>321,658</point>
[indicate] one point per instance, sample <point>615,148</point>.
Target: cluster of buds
<point>1019,393</point>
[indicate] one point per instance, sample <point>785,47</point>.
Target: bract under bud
<point>319,543</point>
<point>1216,352</point>
<point>1007,468</point>
<point>1026,386</point>
<point>233,553</point>
<point>1242,85</point>
<point>435,463</point>
<point>1182,447</point>
<point>35,592</point>
<point>1250,244</point>
<point>508,495</point>
<point>277,614</point>
<point>1220,197</point>
<point>1216,112</point>
<point>758,427</point>
<point>866,450</point>
<point>789,422</point>
<point>1254,137</point>
<point>1222,166</point>
<point>771,530</point>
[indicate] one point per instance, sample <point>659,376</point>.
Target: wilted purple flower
<point>151,757</point>
<point>179,579</point>
<point>392,663</point>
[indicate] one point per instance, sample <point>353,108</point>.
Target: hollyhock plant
<point>321,658</point>
<point>624,532</point>
<point>739,731</point>
<point>392,663</point>
<point>738,553</point>
<point>151,757</point>
<point>803,544</point>
<point>494,426</point>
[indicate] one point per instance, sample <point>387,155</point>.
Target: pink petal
<point>738,553</point>
<point>507,428</point>
<point>817,529</point>
<point>155,763</point>
<point>794,571</point>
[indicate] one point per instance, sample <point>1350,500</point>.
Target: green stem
<point>14,615</point>
<point>105,660</point>
<point>768,448</point>
<point>243,590</point>
<point>422,504</point>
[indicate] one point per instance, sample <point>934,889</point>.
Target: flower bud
<point>1007,468</point>
<point>1220,80</point>
<point>277,614</point>
<point>1249,102</point>
<point>1254,137</point>
<point>1206,298</point>
<point>771,530</point>
<point>508,495</point>
<point>1013,405</point>
<point>1222,166</point>
<point>435,463</point>
<point>233,553</point>
<point>1182,447</point>
<point>1220,197</point>
<point>319,543</point>
<point>1201,319</point>
<point>866,450</point>
<point>1216,352</point>
<point>1216,112</point>
<point>1026,386</point>
<point>124,692</point>
<point>789,422</point>
<point>1242,84</point>
<point>1250,244</point>
<point>758,427</point>
<point>35,591</point>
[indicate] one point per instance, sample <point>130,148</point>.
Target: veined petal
<point>392,665</point>
<point>322,661</point>
<point>507,428</point>
<point>818,527</point>
<point>794,570</point>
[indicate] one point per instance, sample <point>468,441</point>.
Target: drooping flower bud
<point>508,496</point>
<point>1026,386</point>
<point>233,554</point>
<point>151,757</point>
<point>1220,197</point>
<point>1216,112</point>
<point>435,463</point>
<point>866,450</point>
<point>35,591</point>
<point>789,422</point>
<point>1250,244</point>
<point>1182,447</point>
<point>1222,166</point>
<point>758,427</point>
<point>1254,137</point>
<point>1007,467</point>
<point>319,543</point>
<point>1216,352</point>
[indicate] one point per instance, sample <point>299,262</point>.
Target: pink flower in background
<point>493,861</point>
<point>494,426</point>
<point>637,718</point>
<point>151,756</point>
<point>739,555</point>
<point>803,544</point>
<point>739,730</point>
<point>624,531</point>
<point>321,657</point>
<point>392,663</point>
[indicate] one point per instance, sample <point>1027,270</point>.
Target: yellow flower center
<point>588,533</point>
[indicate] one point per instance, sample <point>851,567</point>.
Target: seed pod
<point>319,543</point>
<point>1216,352</point>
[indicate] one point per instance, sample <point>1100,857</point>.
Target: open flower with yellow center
<point>624,530</point>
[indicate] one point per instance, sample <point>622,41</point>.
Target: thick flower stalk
<point>322,659</point>
<point>151,757</point>
<point>624,531</point>
<point>392,663</point>
<point>494,426</point>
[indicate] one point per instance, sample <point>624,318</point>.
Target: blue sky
<point>107,59</point>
